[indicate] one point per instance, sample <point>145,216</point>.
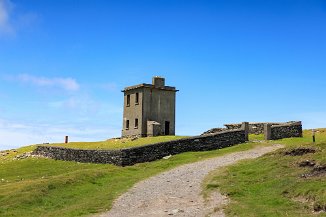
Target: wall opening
<point>136,123</point>
<point>128,100</point>
<point>127,124</point>
<point>137,99</point>
<point>167,127</point>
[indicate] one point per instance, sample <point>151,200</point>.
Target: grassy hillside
<point>117,143</point>
<point>45,187</point>
<point>269,186</point>
<point>290,182</point>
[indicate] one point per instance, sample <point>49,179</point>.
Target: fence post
<point>245,127</point>
<point>268,131</point>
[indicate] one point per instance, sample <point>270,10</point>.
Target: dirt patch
<point>319,208</point>
<point>307,163</point>
<point>314,206</point>
<point>300,151</point>
<point>318,170</point>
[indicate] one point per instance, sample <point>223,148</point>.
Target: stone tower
<point>149,109</point>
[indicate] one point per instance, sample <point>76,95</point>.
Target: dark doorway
<point>167,127</point>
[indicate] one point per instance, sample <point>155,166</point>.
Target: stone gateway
<point>149,109</point>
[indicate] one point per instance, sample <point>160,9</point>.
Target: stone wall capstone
<point>146,153</point>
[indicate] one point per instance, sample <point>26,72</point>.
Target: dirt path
<point>178,192</point>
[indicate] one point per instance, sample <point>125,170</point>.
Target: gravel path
<point>177,192</point>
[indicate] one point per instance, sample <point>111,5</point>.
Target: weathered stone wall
<point>214,130</point>
<point>199,143</point>
<point>254,128</point>
<point>80,155</point>
<point>292,129</point>
<point>130,156</point>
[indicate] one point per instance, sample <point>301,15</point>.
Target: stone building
<point>149,109</point>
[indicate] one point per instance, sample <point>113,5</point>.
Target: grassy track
<point>273,185</point>
<point>45,187</point>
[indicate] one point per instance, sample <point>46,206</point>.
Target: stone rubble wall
<point>80,155</point>
<point>215,130</point>
<point>291,129</point>
<point>254,128</point>
<point>146,153</point>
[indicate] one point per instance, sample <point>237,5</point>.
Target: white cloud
<point>5,23</point>
<point>65,83</point>
<point>80,104</point>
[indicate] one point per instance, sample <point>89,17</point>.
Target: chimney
<point>158,82</point>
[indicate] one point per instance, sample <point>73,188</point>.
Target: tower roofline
<point>138,86</point>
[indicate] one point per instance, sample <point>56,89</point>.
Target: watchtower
<point>149,109</point>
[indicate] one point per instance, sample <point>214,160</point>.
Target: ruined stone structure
<point>272,131</point>
<point>257,127</point>
<point>149,109</point>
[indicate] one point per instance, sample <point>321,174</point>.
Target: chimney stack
<point>158,82</point>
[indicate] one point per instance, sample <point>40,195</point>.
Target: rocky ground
<point>178,192</point>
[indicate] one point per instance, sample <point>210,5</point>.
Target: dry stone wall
<point>130,156</point>
<point>293,129</point>
<point>199,143</point>
<point>254,128</point>
<point>272,131</point>
<point>80,155</point>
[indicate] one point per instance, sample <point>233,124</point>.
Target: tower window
<point>127,124</point>
<point>128,100</point>
<point>137,99</point>
<point>136,123</point>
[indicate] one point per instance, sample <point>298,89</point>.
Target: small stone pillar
<point>268,131</point>
<point>153,128</point>
<point>66,139</point>
<point>245,127</point>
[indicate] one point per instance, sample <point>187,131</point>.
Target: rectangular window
<point>127,124</point>
<point>137,98</point>
<point>128,100</point>
<point>136,123</point>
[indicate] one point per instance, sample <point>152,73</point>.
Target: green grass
<point>45,187</point>
<point>117,143</point>
<point>272,185</point>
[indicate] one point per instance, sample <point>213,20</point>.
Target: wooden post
<point>313,136</point>
<point>66,139</point>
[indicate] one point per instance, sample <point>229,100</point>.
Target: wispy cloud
<point>65,83</point>
<point>84,104</point>
<point>5,22</point>
<point>11,21</point>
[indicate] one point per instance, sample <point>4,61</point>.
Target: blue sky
<point>63,64</point>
